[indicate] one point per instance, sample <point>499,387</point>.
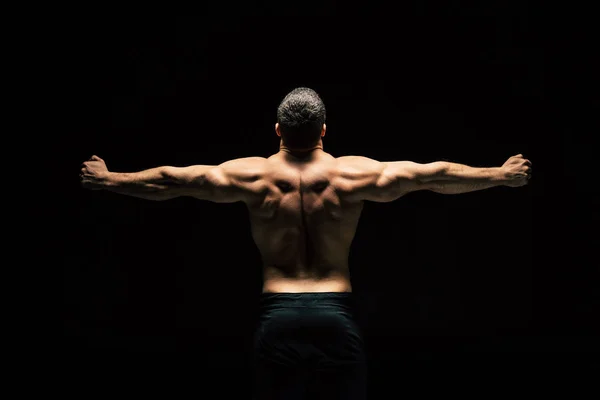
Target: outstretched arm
<point>232,181</point>
<point>372,180</point>
<point>458,178</point>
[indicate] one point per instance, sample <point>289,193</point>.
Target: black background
<point>496,283</point>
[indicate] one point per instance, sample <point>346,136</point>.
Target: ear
<point>323,129</point>
<point>277,129</point>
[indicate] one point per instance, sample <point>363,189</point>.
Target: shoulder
<point>357,166</point>
<point>240,179</point>
<point>245,162</point>
<point>244,167</point>
<point>356,174</point>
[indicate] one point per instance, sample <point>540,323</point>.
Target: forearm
<point>458,178</point>
<point>151,184</point>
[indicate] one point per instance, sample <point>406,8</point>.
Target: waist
<point>322,278</point>
<point>273,301</point>
<point>338,284</point>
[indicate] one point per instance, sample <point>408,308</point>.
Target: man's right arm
<point>362,178</point>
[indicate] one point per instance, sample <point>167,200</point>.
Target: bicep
<point>229,182</point>
<point>403,177</point>
<point>414,176</point>
<point>195,180</point>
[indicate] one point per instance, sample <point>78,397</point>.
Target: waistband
<point>308,299</point>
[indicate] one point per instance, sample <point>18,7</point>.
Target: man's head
<point>301,119</point>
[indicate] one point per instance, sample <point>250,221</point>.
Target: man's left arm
<point>229,182</point>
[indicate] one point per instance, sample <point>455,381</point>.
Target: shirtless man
<point>304,206</point>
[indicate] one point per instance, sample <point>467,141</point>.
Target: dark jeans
<point>308,345</point>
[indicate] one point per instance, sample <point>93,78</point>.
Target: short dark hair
<point>301,115</point>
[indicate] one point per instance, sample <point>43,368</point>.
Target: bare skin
<point>304,205</point>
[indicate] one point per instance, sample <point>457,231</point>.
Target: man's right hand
<point>517,171</point>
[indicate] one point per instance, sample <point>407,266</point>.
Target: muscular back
<point>303,210</point>
<point>305,221</point>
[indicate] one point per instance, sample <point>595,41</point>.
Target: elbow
<point>168,184</point>
<point>199,180</point>
<point>432,172</point>
<point>168,174</point>
<point>179,177</point>
<point>440,169</point>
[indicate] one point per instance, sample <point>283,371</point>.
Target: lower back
<point>278,284</point>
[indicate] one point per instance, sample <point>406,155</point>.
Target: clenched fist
<point>93,173</point>
<point>517,171</point>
